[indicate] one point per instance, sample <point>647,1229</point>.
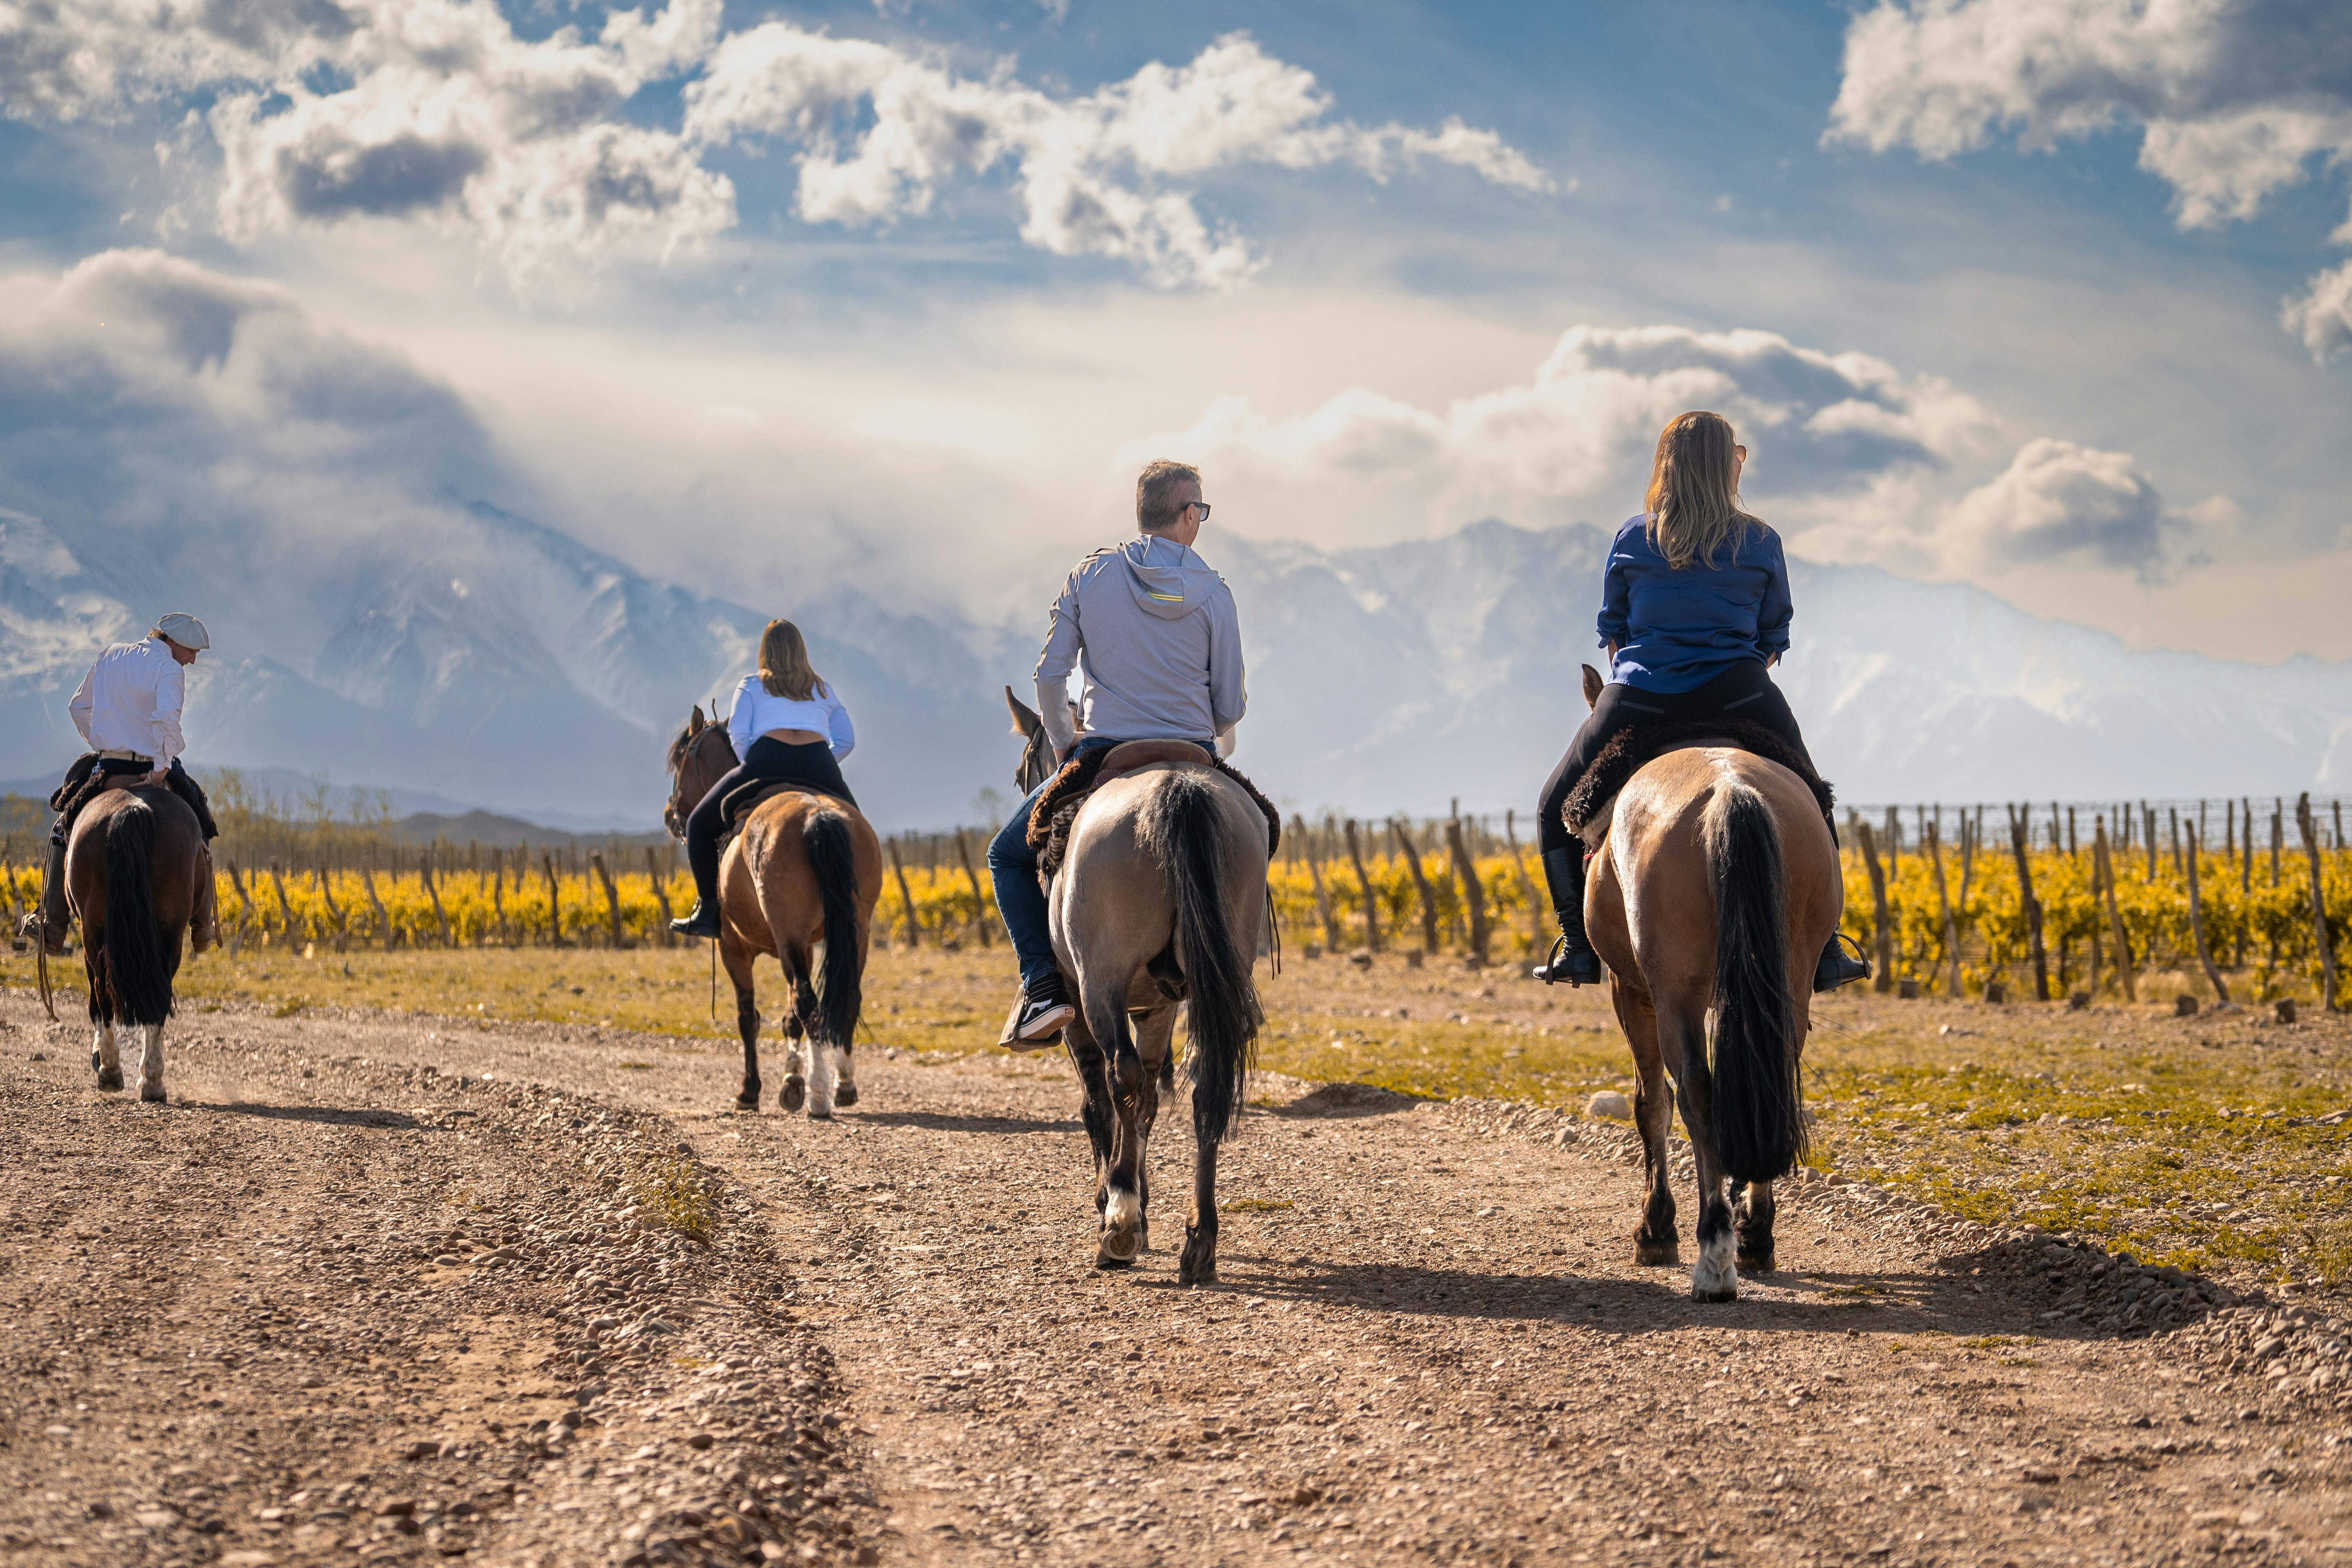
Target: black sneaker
<point>1574,962</point>
<point>1836,969</point>
<point>1045,1009</point>
<point>702,923</point>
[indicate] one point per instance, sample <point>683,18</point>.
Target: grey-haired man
<point>127,708</point>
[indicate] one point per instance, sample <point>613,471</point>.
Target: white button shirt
<point>130,700</point>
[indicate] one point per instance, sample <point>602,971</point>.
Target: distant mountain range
<point>495,663</point>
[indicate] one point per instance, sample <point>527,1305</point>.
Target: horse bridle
<point>672,817</point>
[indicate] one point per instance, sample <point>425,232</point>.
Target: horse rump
<point>1760,1129</point>
<point>138,974</point>
<point>1222,1011</point>
<point>833,856</point>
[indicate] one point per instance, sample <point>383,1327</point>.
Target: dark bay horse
<point>140,880</point>
<point>804,872</point>
<point>1715,889</point>
<point>1157,901</point>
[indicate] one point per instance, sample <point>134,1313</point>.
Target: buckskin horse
<point>1715,888</point>
<point>140,880</point>
<point>802,872</point>
<point>1158,900</point>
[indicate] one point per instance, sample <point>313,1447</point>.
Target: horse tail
<point>138,977</point>
<point>1221,1013</point>
<point>1759,1128</point>
<point>833,856</point>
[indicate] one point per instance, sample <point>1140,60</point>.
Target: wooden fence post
<point>978,904</point>
<point>611,896</point>
<point>326,897</point>
<point>1305,841</point>
<point>554,907</point>
<point>277,880</point>
<point>667,937</point>
<point>1364,884</point>
<point>2017,830</point>
<point>1934,837</point>
<point>2320,938</point>
<point>2103,871</point>
<point>1883,937</point>
<point>2196,919</point>
<point>432,891</point>
<point>1420,882</point>
<point>1473,893</point>
<point>914,926</point>
<point>1538,905</point>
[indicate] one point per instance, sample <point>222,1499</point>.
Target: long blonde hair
<point>784,663</point>
<point>1694,499</point>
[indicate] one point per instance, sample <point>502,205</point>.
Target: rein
<point>41,968</point>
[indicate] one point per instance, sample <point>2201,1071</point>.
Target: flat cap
<point>185,629</point>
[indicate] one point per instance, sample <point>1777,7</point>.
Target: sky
<point>767,298</point>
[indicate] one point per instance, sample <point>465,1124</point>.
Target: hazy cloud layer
<point>1562,445</point>
<point>2235,98</point>
<point>438,111</point>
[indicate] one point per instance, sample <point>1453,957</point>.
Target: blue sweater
<point>1678,630</point>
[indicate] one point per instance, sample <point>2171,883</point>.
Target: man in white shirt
<point>127,708</point>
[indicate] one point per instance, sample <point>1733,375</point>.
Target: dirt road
<point>1429,1344</point>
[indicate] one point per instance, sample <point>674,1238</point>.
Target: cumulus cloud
<point>881,131</point>
<point>2058,500</point>
<point>1575,439</point>
<point>438,111</point>
<point>2322,316</point>
<point>2235,98</point>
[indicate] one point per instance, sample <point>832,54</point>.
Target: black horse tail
<point>1760,1126</point>
<point>833,856</point>
<point>1221,1013</point>
<point>137,976</point>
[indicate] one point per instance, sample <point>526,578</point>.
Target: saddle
<point>85,781</point>
<point>1630,749</point>
<point>1058,807</point>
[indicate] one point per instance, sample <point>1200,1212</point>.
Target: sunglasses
<point>1203,508</point>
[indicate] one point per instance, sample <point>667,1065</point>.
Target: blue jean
<point>1013,868</point>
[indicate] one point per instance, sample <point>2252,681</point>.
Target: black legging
<point>1745,691</point>
<point>810,763</point>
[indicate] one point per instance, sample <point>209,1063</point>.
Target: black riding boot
<point>1572,958</point>
<point>702,923</point>
<point>48,924</point>
<point>1836,968</point>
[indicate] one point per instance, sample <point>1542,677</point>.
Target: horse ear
<point>1024,718</point>
<point>1591,686</point>
<point>694,722</point>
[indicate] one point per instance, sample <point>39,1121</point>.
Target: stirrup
<point>1836,969</point>
<point>1579,966</point>
<point>1040,1015</point>
<point>35,927</point>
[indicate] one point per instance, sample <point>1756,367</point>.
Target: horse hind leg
<point>1754,1213</point>
<point>1123,1076</point>
<point>1715,1276</point>
<point>1655,1243</point>
<point>105,1057</point>
<point>822,1061</point>
<point>151,1064</point>
<point>844,1090</point>
<point>737,957</point>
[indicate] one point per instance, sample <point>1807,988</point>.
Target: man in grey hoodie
<point>1151,631</point>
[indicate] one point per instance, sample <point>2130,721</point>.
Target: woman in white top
<point>788,727</point>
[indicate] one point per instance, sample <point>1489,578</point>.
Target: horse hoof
<point>1190,1273</point>
<point>793,1094</point>
<point>151,1093</point>
<point>1720,1293</point>
<point>1657,1253</point>
<point>1119,1246</point>
<point>816,1115</point>
<point>845,1096</point>
<point>1756,1263</point>
<point>1106,1262</point>
<point>110,1078</point>
<point>747,1102</point>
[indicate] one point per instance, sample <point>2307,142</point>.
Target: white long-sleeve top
<point>759,711</point>
<point>130,701</point>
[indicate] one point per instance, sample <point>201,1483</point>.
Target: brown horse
<point>805,871</point>
<point>1160,901</point>
<point>139,878</point>
<point>1717,886</point>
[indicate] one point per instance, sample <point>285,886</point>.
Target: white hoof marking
<point>1716,1277</point>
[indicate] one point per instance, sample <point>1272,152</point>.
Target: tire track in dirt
<point>1429,1345</point>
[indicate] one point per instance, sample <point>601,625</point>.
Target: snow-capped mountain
<point>504,664</point>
